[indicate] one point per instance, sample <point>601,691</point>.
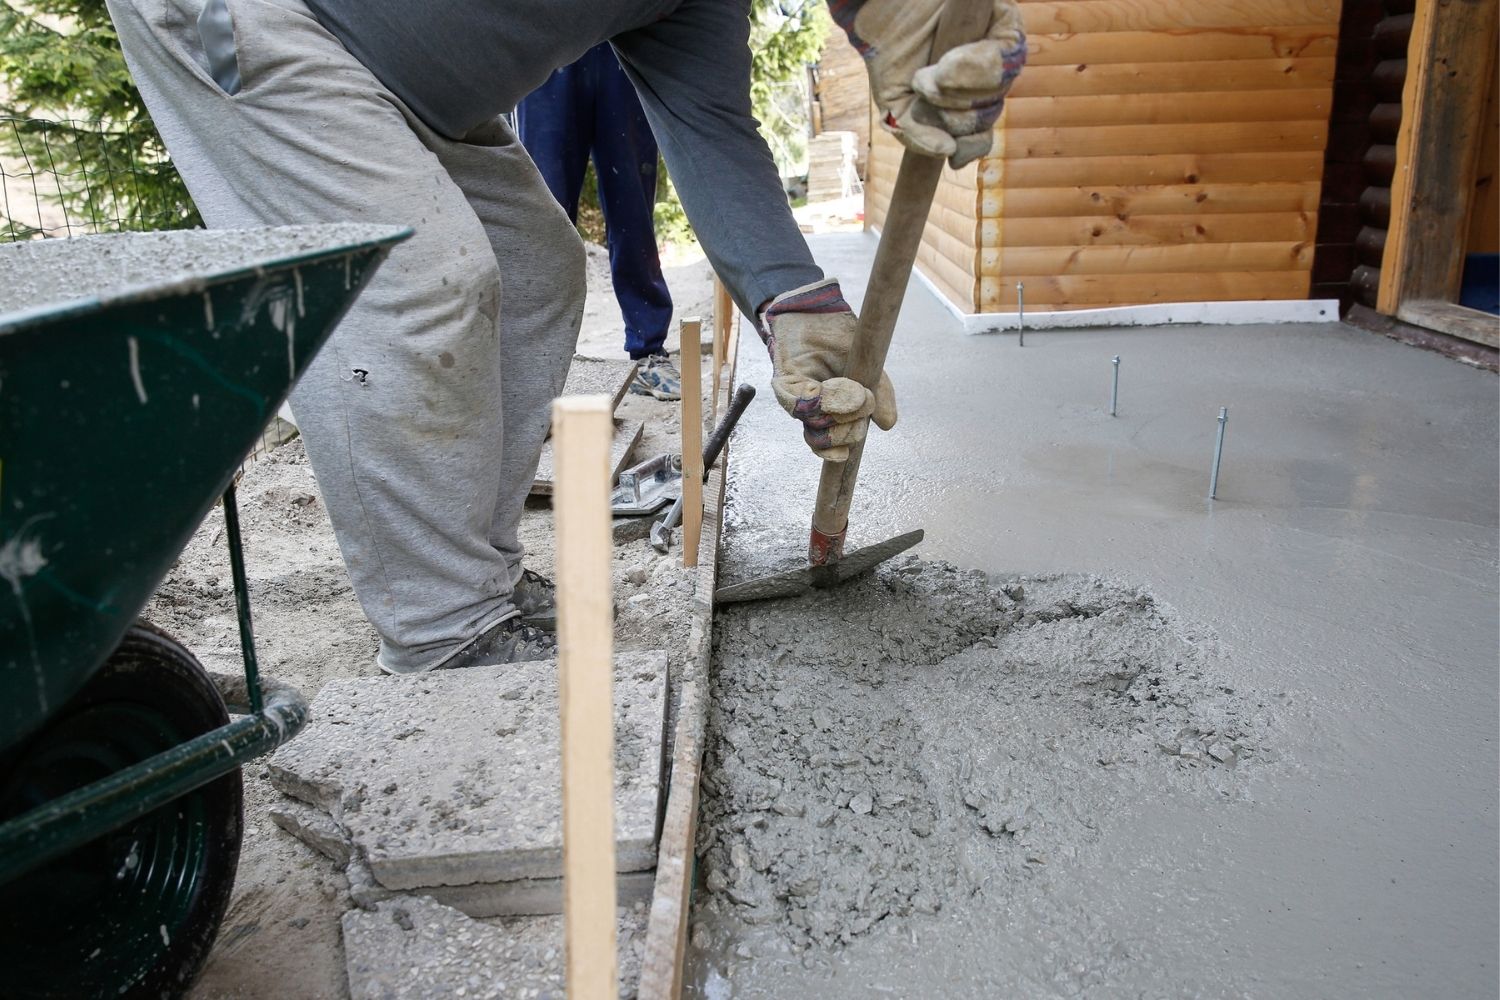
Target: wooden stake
<point>723,313</point>
<point>581,430</point>
<point>691,330</point>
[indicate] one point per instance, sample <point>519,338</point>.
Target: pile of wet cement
<point>923,736</point>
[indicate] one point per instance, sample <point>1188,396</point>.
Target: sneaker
<point>658,377</point>
<point>536,597</point>
<point>511,641</point>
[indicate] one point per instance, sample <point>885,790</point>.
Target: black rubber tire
<point>135,912</point>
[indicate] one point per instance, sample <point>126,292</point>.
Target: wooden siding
<point>1152,151</point>
<point>949,254</point>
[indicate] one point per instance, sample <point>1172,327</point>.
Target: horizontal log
<point>1083,290</point>
<point>1022,262</point>
<point>1369,245</point>
<point>1392,37</point>
<point>1389,79</point>
<point>1174,77</point>
<point>1080,16</point>
<point>1131,140</point>
<point>1123,202</point>
<point>1149,230</point>
<point>1183,45</point>
<point>1380,165</point>
<point>1385,122</point>
<point>1166,109</point>
<point>1375,206</point>
<point>1366,284</point>
<point>1176,168</point>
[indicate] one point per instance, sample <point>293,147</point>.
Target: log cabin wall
<point>1386,65</point>
<point>1152,151</point>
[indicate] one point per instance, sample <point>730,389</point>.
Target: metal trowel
<point>962,21</point>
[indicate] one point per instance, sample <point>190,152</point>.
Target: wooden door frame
<point>1450,61</point>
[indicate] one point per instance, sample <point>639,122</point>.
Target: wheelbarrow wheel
<point>134,912</point>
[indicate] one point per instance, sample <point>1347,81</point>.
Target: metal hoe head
<point>795,583</point>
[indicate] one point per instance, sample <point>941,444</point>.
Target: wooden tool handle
<point>962,21</point>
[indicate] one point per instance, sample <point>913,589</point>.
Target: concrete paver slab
<point>453,777</point>
<point>414,947</point>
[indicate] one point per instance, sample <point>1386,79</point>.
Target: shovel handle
<point>962,21</point>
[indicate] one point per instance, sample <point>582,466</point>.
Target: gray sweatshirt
<point>457,63</point>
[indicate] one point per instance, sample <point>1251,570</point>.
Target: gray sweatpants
<point>464,335</point>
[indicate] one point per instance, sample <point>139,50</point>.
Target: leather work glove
<point>809,332</point>
<point>946,109</point>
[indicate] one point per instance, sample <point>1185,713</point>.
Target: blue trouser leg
<point>556,124</point>
<point>625,164</point>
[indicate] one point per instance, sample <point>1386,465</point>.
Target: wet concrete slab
<point>453,778</point>
<point>1349,562</point>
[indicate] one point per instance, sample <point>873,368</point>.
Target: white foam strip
<point>1237,313</point>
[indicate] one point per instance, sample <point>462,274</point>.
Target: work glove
<point>809,332</point>
<point>946,109</point>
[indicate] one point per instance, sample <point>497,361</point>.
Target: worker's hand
<point>946,109</point>
<point>809,332</point>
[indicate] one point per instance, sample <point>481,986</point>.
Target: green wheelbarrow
<point>124,416</point>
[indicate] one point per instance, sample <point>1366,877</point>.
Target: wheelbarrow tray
<point>136,373</point>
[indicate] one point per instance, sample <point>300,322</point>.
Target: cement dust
<point>900,760</point>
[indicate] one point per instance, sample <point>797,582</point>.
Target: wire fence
<point>71,177</point>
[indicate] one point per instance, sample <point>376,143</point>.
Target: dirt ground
<point>281,936</point>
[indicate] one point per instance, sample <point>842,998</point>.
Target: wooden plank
<point>1210,106</point>
<point>582,428</point>
<point>692,439</point>
<point>1134,140</point>
<point>1163,199</point>
<point>1454,320</point>
<point>1179,168</point>
<point>1437,152</point>
<point>667,924</point>
<point>998,294</point>
<point>1083,16</point>
<point>1183,45</point>
<point>622,449</point>
<point>1172,78</point>
<point>1484,226</point>
<point>1025,262</point>
<point>1147,230</point>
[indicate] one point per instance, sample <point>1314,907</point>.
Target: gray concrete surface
<point>1350,562</point>
<point>413,948</point>
<point>453,777</point>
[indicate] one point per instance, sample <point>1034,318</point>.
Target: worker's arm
<point>692,70</point>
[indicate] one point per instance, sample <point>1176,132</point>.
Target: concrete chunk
<point>453,777</point>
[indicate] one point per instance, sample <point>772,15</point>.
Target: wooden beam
<point>582,427</point>
<point>1154,199</point>
<point>1211,106</point>
<point>1175,168</point>
<point>1437,152</point>
<point>1019,262</point>
<point>1148,230</point>
<point>692,439</point>
<point>1192,138</point>
<point>1088,16</point>
<point>1174,77</point>
<point>671,902</point>
<point>998,294</point>
<point>1183,45</point>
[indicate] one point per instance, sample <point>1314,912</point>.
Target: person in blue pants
<point>590,108</point>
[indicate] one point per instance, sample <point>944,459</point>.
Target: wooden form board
<point>1451,61</point>
<point>1149,151</point>
<point>671,902</point>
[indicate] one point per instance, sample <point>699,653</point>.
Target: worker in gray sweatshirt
<point>294,111</point>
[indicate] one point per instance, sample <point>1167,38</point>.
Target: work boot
<point>536,597</point>
<point>658,377</point>
<point>511,641</point>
